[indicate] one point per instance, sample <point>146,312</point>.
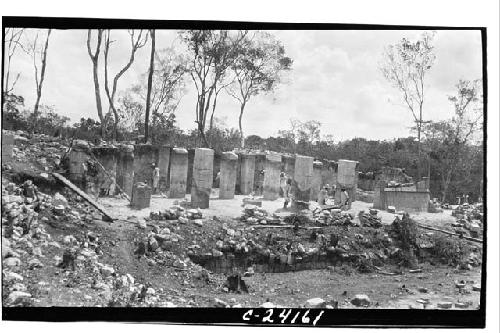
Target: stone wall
<point>408,201</point>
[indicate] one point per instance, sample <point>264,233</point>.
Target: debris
<point>17,297</point>
<point>445,305</point>
<point>236,283</point>
<point>267,305</point>
<point>315,303</point>
<point>361,300</point>
<point>82,194</point>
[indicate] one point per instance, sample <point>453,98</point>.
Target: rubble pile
<point>415,246</point>
<point>177,212</point>
<point>469,219</point>
<point>253,214</point>
<point>46,152</point>
<point>333,216</point>
<point>370,219</point>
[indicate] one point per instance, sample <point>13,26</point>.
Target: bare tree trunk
<point>242,108</point>
<point>39,83</point>
<point>95,69</point>
<point>150,82</point>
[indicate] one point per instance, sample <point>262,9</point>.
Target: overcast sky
<point>335,79</point>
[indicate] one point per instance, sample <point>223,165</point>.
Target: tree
<point>167,90</point>
<point>12,39</point>
<point>405,66</point>
<point>150,82</point>
<point>257,69</point>
<point>39,55</point>
<point>449,141</point>
<point>211,53</point>
<point>137,41</point>
<point>94,57</point>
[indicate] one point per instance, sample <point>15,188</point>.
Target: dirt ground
<point>178,285</point>
<point>232,208</point>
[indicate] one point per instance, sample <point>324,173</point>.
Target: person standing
<point>344,199</point>
<point>282,183</point>
<point>286,191</point>
<point>156,178</point>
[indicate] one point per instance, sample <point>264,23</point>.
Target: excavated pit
<point>229,262</point>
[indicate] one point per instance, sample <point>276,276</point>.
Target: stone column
<point>258,182</point>
<point>7,145</point>
<point>77,157</point>
<point>303,178</point>
<point>141,196</point>
<point>379,194</point>
<point>125,169</point>
<point>107,156</point>
<point>190,170</point>
<point>178,173</point>
<point>228,168</point>
<point>163,165</point>
<point>272,177</point>
<point>144,156</point>
<point>247,173</point>
<point>202,177</point>
<point>316,180</point>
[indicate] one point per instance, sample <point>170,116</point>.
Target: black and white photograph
<point>244,173</point>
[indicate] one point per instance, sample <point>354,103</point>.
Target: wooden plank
<point>82,194</point>
<point>477,240</point>
<point>284,226</point>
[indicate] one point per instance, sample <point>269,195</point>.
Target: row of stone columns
<point>183,171</point>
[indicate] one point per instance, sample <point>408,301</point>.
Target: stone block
<point>227,181</point>
<point>272,172</point>
<point>164,166</point>
<point>202,177</point>
<point>178,173</point>
<point>247,173</point>
<point>141,196</point>
<point>316,180</point>
<point>125,168</point>
<point>302,182</point>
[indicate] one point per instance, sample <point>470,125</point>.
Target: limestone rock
<point>361,300</point>
<point>11,276</point>
<point>445,305</point>
<point>16,297</point>
<point>12,262</point>
<point>315,303</point>
<point>267,305</point>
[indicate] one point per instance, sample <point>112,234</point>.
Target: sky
<point>335,79</point>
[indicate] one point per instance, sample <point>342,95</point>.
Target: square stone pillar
<point>141,196</point>
<point>258,182</point>
<point>288,164</point>
<point>125,169</point>
<point>178,173</point>
<point>144,156</point>
<point>7,145</point>
<point>202,177</point>
<point>164,165</point>
<point>272,177</point>
<point>379,195</point>
<point>77,157</point>
<point>316,180</point>
<point>247,173</point>
<point>303,178</point>
<point>228,169</point>
<point>191,152</point>
<point>107,156</point>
